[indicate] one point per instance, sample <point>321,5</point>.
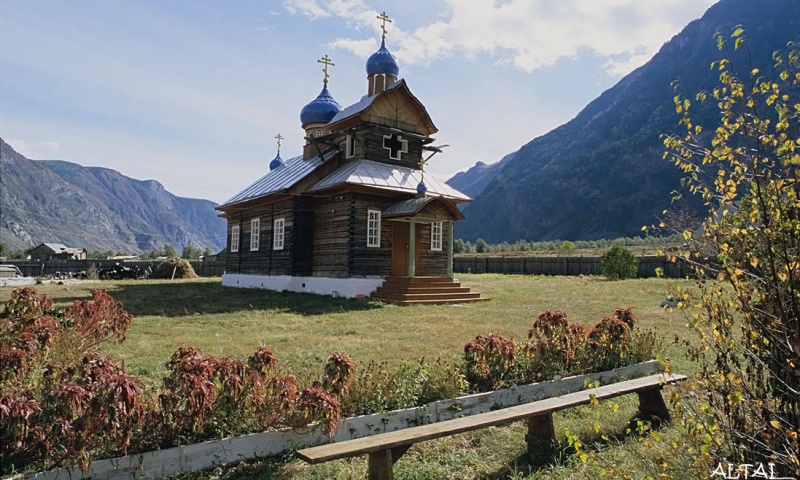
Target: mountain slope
<point>97,208</point>
<point>475,180</point>
<point>601,175</point>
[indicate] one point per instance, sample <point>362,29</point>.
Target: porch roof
<point>414,206</point>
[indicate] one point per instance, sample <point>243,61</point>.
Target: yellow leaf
<point>754,262</point>
<point>775,424</point>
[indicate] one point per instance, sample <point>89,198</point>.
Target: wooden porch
<point>402,290</point>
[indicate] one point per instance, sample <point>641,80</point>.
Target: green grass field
<point>301,329</point>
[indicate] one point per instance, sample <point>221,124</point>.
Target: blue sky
<point>192,94</point>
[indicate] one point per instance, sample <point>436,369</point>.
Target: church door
<point>400,248</point>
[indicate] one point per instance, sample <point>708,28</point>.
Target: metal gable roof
<point>281,178</point>
<point>353,109</point>
<point>362,104</point>
<point>387,177</point>
<point>407,207</point>
<point>413,206</point>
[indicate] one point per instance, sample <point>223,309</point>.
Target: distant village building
<point>56,251</point>
<point>356,208</point>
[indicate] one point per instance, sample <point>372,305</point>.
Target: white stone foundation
<point>336,287</point>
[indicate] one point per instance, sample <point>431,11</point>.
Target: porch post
<point>412,247</point>
<point>449,238</point>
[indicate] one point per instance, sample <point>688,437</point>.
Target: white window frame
<point>278,233</point>
<point>319,133</point>
<point>373,228</point>
<point>350,147</point>
<point>436,236</point>
<point>235,238</point>
<point>255,234</point>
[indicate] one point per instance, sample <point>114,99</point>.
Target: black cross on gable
<point>396,146</point>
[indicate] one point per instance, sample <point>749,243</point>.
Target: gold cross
<point>279,137</point>
<point>326,61</point>
<point>383,18</point>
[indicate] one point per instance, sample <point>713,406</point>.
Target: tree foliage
<point>619,263</point>
<point>746,306</point>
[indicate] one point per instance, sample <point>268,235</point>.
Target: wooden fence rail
<point>34,268</point>
<point>565,265</point>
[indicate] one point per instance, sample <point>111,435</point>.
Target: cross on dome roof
<point>326,61</point>
<point>382,61</point>
<point>383,18</point>
<point>277,161</point>
<point>323,108</point>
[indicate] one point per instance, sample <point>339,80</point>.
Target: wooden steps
<point>425,290</point>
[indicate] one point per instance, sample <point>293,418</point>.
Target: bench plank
<point>410,436</point>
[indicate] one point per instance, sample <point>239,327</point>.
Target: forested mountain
<point>97,209</point>
<point>602,175</point>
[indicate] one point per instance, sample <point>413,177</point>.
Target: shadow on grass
<point>562,454</point>
<point>182,299</point>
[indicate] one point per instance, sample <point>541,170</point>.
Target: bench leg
<point>652,403</point>
<point>541,438</point>
<point>380,463</point>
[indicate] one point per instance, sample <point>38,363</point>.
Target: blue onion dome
<point>382,61</point>
<point>321,110</point>
<point>422,189</point>
<point>276,162</point>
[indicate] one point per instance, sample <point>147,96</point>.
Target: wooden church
<point>355,215</point>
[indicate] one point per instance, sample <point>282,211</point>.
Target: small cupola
<point>382,69</point>
<point>277,161</point>
<point>320,111</point>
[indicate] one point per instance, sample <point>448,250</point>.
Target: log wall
<point>369,260</point>
<point>431,262</point>
<point>331,236</point>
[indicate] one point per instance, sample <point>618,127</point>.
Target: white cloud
<point>36,150</point>
<point>526,34</point>
<point>308,8</point>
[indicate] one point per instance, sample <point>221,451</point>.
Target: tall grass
<point>302,329</point>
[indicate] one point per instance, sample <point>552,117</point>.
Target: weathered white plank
<point>503,416</point>
<point>208,454</point>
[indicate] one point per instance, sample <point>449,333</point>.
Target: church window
<point>373,228</point>
<point>255,234</point>
<point>436,236</point>
<point>319,132</point>
<point>235,238</point>
<point>396,146</point>
<point>278,234</point>
<point>350,148</point>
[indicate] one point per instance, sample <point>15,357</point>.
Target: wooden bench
<point>386,448</point>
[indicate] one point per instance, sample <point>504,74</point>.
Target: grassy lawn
<point>301,329</point>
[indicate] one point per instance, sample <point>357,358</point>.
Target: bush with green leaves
<point>619,263</point>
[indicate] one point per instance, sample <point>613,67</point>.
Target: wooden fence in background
<point>33,268</point>
<point>566,265</point>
